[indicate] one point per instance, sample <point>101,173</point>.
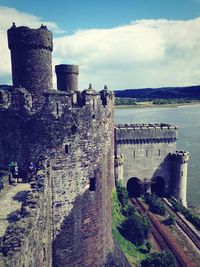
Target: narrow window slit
<point>92,184</point>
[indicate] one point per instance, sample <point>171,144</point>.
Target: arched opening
<point>158,186</point>
<point>134,187</point>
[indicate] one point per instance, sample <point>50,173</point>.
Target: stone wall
<point>66,220</point>
<point>145,150</point>
<point>27,240</point>
<point>78,140</point>
<point>82,214</point>
<point>4,179</point>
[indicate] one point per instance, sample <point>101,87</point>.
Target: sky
<point>123,44</point>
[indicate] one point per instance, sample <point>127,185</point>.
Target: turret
<point>179,176</point>
<point>67,77</point>
<point>31,58</point>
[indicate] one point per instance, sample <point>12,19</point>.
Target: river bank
<point>151,105</point>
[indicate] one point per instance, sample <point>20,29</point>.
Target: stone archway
<point>158,186</point>
<point>134,187</point>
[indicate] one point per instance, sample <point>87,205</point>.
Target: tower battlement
<point>144,133</point>
<point>67,68</point>
<point>181,156</point>
<point>25,38</point>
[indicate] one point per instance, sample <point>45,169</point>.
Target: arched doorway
<point>158,186</point>
<point>134,187</point>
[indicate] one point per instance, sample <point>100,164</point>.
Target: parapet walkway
<point>10,204</point>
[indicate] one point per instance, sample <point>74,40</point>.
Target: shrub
<point>122,194</point>
<point>128,210</point>
<point>171,220</point>
<point>155,204</point>
<point>163,259</point>
<point>189,215</point>
<point>136,228</point>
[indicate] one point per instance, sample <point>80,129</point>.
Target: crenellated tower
<point>31,58</point>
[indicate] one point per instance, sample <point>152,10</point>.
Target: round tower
<point>31,58</point>
<point>67,77</point>
<point>179,176</point>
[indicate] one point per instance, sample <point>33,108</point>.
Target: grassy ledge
<point>133,253</point>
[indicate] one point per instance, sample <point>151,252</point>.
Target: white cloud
<point>145,53</point>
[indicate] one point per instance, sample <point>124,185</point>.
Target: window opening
<point>57,109</point>
<point>92,184</point>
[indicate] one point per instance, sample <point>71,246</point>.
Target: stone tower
<point>73,143</point>
<point>146,158</point>
<point>179,176</point>
<point>31,58</point>
<point>67,77</point>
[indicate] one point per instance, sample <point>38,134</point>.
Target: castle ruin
<point>66,218</point>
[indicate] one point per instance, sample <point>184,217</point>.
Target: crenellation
<point>142,134</point>
<point>24,37</point>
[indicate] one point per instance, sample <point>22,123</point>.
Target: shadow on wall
<point>157,183</point>
<point>161,178</point>
<point>81,241</point>
<point>85,236</point>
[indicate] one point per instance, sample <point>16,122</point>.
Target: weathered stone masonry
<point>73,133</point>
<point>147,153</point>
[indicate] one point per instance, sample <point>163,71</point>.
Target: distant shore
<point>151,105</point>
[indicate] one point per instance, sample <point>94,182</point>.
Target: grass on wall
<point>133,253</point>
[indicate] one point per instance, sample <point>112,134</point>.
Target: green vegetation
<point>128,102</point>
<point>170,101</point>
<point>163,259</point>
<point>136,228</point>
<point>155,204</point>
<point>124,101</point>
<point>120,213</point>
<point>188,214</point>
<point>122,195</point>
<point>170,220</point>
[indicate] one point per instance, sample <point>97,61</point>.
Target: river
<point>187,118</point>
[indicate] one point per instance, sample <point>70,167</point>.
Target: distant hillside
<point>192,92</point>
